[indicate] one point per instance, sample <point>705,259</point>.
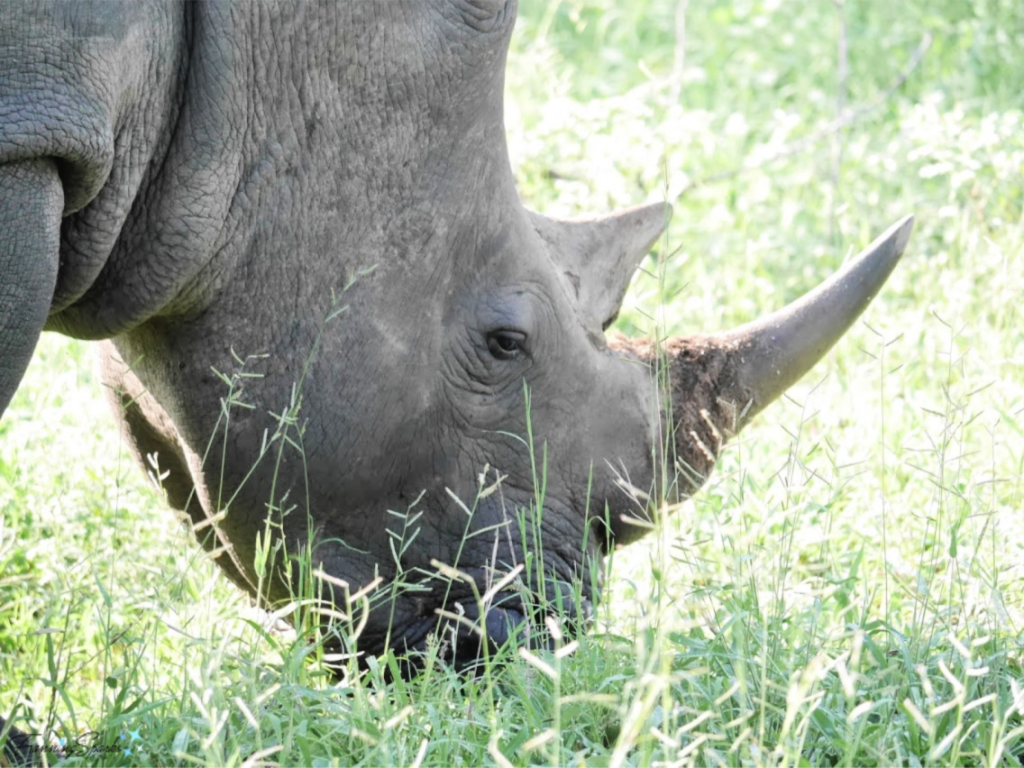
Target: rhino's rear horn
<point>600,255</point>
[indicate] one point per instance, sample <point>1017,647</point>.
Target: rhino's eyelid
<point>506,344</point>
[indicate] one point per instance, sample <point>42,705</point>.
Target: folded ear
<point>31,201</point>
<point>599,256</point>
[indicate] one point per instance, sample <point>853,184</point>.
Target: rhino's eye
<point>505,345</point>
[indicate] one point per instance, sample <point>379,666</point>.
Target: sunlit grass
<point>847,590</point>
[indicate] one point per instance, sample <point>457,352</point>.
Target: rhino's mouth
<point>467,632</point>
<point>513,580</point>
<point>512,622</point>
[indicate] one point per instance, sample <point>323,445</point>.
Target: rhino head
<point>415,369</point>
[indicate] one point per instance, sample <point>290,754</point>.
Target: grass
<point>847,590</point>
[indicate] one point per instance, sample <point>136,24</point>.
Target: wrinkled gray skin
<point>195,182</point>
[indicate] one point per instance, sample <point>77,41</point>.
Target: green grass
<point>849,587</point>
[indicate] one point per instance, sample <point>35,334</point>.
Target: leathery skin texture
<point>329,319</point>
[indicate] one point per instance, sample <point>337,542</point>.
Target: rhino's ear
<point>599,256</point>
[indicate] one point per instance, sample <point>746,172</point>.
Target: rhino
<point>330,326</point>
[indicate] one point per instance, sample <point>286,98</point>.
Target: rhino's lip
<point>511,614</point>
<point>508,617</point>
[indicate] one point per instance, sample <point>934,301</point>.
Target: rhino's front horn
<point>769,355</point>
<point>719,382</point>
